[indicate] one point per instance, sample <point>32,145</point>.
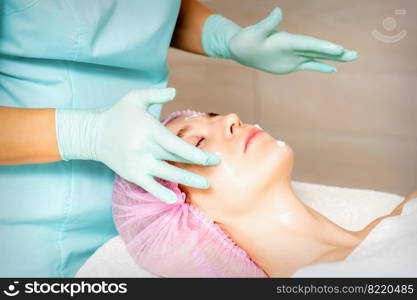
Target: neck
<point>289,235</point>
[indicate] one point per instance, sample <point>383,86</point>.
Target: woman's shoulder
<point>411,196</point>
<point>398,209</point>
<point>395,212</point>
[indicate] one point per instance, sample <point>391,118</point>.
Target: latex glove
<point>263,47</point>
<point>132,142</point>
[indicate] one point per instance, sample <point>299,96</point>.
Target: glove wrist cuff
<point>76,132</point>
<point>216,35</point>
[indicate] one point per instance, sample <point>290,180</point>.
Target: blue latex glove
<point>132,142</point>
<point>263,47</point>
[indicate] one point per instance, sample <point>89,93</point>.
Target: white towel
<point>350,208</point>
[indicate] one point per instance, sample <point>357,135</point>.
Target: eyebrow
<point>181,133</point>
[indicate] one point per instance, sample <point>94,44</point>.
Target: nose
<point>232,125</point>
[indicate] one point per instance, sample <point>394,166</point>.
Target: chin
<point>278,161</point>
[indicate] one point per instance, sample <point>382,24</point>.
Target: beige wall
<point>354,128</point>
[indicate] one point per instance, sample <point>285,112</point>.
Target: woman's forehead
<point>186,121</point>
<point>180,122</point>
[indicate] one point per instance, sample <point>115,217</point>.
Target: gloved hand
<point>132,142</point>
<point>263,47</point>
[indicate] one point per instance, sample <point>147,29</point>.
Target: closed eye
<point>199,142</point>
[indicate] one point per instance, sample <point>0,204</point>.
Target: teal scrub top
<point>70,54</point>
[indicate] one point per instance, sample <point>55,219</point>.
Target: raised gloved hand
<point>263,47</point>
<point>132,142</point>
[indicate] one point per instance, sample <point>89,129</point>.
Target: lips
<point>251,135</point>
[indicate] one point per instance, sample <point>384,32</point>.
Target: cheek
<point>193,194</point>
<point>220,200</point>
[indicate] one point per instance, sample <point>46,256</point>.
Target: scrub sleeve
<point>70,54</point>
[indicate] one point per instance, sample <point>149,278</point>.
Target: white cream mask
<point>281,144</point>
<point>193,116</point>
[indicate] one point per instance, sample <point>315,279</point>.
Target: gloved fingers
<point>173,157</point>
<point>347,55</point>
<point>316,66</point>
<point>148,97</point>
<point>164,170</point>
<point>160,153</point>
<point>181,148</point>
<point>308,43</point>
<point>164,194</point>
<point>270,23</point>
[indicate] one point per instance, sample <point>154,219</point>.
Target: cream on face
<point>193,116</point>
<point>281,144</point>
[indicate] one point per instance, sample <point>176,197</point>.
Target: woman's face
<point>248,165</point>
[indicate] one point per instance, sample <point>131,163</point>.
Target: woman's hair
<point>175,240</point>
